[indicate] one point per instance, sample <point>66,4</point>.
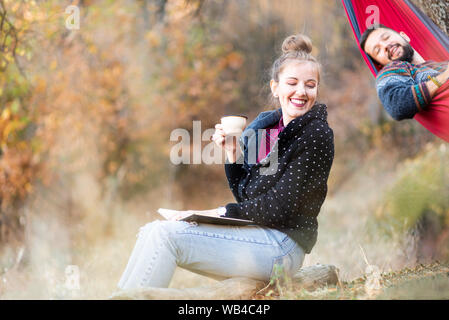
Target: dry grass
<point>424,282</point>
<point>100,240</point>
<point>347,224</point>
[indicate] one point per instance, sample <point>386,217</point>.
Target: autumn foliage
<point>86,114</point>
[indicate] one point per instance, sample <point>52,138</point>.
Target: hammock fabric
<point>426,38</point>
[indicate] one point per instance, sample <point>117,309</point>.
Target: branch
<point>198,9</point>
<point>12,32</point>
<point>161,10</point>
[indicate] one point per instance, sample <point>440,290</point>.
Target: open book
<point>203,216</point>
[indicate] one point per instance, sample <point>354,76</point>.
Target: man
<point>407,83</point>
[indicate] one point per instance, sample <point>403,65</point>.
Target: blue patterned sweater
<point>402,87</point>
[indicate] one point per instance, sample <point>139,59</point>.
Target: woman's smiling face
<point>297,88</point>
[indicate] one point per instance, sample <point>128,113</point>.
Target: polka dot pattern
<point>290,196</point>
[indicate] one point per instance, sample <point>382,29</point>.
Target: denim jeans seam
<point>286,253</point>
<point>222,236</point>
<point>276,242</point>
<point>291,247</point>
<point>150,266</point>
<point>281,257</point>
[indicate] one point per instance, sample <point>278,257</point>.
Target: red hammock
<point>426,38</point>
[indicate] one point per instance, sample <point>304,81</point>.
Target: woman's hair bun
<point>297,42</point>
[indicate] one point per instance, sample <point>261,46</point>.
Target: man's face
<point>385,46</point>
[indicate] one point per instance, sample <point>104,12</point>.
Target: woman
<point>282,192</point>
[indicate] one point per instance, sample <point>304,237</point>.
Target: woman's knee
<point>164,229</point>
<point>147,228</point>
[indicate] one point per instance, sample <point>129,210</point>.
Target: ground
<point>424,282</point>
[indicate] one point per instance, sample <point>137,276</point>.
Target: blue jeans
<point>216,251</point>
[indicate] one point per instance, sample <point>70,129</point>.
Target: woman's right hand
<point>228,145</point>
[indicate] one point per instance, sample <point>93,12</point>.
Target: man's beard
<point>407,54</point>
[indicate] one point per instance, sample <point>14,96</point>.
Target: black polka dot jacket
<point>286,189</point>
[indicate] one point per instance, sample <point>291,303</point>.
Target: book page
<point>167,213</point>
<point>171,214</point>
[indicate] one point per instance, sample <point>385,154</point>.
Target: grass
<point>424,282</point>
<point>348,238</point>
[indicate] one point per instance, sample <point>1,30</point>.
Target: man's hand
<point>441,78</point>
<point>446,74</point>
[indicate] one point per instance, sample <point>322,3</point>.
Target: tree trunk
<point>437,10</point>
<point>317,276</point>
<point>230,289</point>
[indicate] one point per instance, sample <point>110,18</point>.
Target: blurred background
<point>86,115</point>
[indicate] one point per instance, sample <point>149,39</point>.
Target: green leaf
<point>15,106</point>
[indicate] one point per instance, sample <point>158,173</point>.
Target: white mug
<point>233,124</point>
